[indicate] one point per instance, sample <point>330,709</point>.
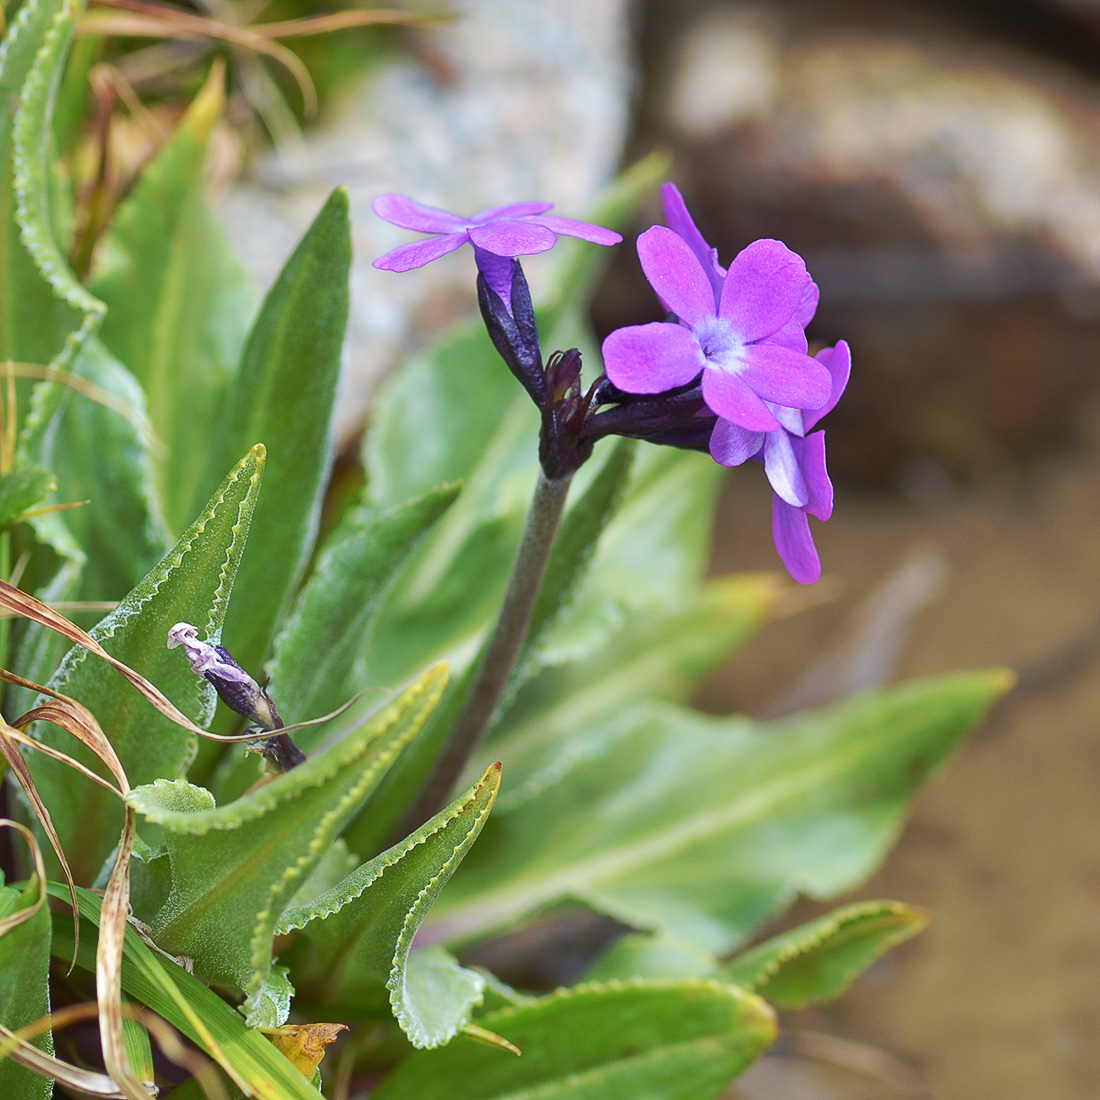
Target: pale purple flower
<point>742,330</point>
<point>498,235</point>
<point>794,462</point>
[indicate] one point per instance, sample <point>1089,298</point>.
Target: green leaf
<point>235,867</point>
<point>44,313</point>
<point>283,397</point>
<point>654,955</point>
<point>659,1040</point>
<point>22,489</point>
<point>706,827</point>
<point>818,961</point>
<point>658,652</point>
<point>356,937</point>
<point>187,1004</point>
<point>324,638</point>
<point>24,985</point>
<point>191,584</point>
<point>101,457</point>
<point>179,304</point>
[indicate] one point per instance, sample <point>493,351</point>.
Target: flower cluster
<point>728,371</point>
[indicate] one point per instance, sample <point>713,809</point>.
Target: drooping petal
<point>781,464</point>
<point>838,362</point>
<point>407,256</point>
<point>763,289</point>
<point>731,445</point>
<point>681,223</point>
<point>512,210</point>
<point>406,213</point>
<point>676,274</point>
<point>731,398</point>
<point>512,238</point>
<point>794,543</point>
<point>811,460</point>
<point>567,227</point>
<point>651,358</point>
<point>785,377</point>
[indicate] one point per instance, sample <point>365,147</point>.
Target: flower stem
<point>504,648</point>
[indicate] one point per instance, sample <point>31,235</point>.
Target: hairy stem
<point>503,650</point>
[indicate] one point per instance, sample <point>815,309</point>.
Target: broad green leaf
<point>44,313</point>
<point>323,640</point>
<point>33,159</point>
<point>101,456</point>
<point>282,397</point>
<point>321,645</point>
<point>705,827</point>
<point>819,960</point>
<point>357,936</point>
<point>179,304</point>
<point>191,584</point>
<point>654,653</point>
<point>652,955</point>
<point>235,867</point>
<point>22,489</point>
<point>187,1004</point>
<point>24,984</point>
<point>659,1040</point>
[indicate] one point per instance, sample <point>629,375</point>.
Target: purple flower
<point>498,235</point>
<point>795,465</point>
<point>741,329</point>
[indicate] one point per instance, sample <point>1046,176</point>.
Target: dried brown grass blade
<point>137,19</point>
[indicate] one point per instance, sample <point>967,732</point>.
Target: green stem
<point>503,650</point>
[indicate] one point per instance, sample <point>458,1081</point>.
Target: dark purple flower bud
<point>563,446</point>
<point>510,320</point>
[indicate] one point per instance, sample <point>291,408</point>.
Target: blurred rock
<point>513,100</point>
<point>945,192</point>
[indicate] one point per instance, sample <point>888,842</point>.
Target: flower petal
<point>402,211</point>
<point>763,289</point>
<point>782,467</point>
<point>811,460</point>
<point>498,272</point>
<point>676,274</point>
<point>794,543</point>
<point>807,307</point>
<point>731,445</point>
<point>567,227</point>
<point>512,210</point>
<point>419,253</point>
<point>651,358</point>
<point>785,377</point>
<point>680,222</point>
<point>512,238</point>
<point>838,362</point>
<point>732,399</point>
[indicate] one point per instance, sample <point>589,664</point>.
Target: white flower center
<point>720,344</point>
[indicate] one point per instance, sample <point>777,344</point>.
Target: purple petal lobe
<point>676,274</point>
<point>680,222</point>
<point>731,445</point>
<point>793,541</point>
<point>792,335</point>
<point>785,377</point>
<point>419,253</point>
<point>512,238</point>
<point>596,234</point>
<point>513,210</point>
<point>404,212</point>
<point>651,358</point>
<point>732,399</point>
<point>763,288</point>
<point>838,362</point>
<point>807,307</point>
<point>782,467</point>
<point>811,459</point>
